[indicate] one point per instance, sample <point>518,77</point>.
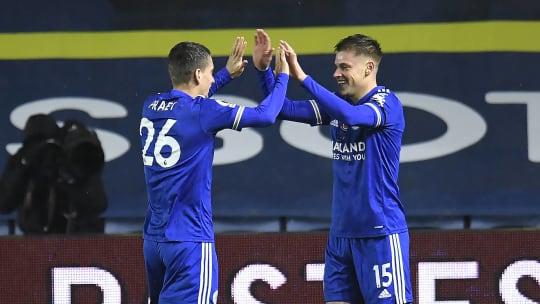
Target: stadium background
<point>467,72</point>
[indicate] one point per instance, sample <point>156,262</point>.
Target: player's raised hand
<point>296,70</point>
<point>262,51</point>
<point>236,62</point>
<point>282,66</point>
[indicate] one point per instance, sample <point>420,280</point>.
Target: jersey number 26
<point>162,141</point>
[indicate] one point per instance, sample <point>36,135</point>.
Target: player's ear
<point>197,75</point>
<point>370,67</point>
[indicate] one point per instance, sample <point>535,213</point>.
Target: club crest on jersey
<point>379,98</point>
<point>225,104</point>
<point>344,127</point>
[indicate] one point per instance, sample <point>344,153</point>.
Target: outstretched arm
<point>221,115</point>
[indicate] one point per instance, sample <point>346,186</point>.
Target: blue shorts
<point>368,270</point>
<point>181,272</point>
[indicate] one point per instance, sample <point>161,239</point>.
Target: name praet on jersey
<point>349,151</point>
<point>162,105</point>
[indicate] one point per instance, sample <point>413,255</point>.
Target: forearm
<point>222,77</point>
<point>299,111</point>
<point>267,111</point>
<point>266,80</point>
<point>337,107</point>
<point>306,111</point>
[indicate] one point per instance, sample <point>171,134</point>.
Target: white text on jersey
<point>162,105</point>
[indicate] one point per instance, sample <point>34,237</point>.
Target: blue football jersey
<point>178,136</point>
<point>366,143</point>
<point>177,154</point>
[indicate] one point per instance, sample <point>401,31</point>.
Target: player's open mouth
<point>342,84</point>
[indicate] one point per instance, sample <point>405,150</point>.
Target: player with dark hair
<point>178,130</point>
<point>367,254</point>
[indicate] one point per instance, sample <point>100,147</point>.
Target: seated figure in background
<point>54,180</point>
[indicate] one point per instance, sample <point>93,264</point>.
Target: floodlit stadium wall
<point>482,267</point>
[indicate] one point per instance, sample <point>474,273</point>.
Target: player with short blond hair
<point>367,255</point>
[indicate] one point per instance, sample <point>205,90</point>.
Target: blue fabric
<point>375,270</point>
